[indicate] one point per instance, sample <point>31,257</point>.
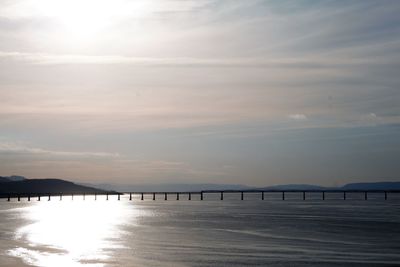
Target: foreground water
<point>200,233</point>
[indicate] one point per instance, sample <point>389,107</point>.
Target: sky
<point>208,91</point>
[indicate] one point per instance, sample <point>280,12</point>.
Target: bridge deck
<point>222,193</point>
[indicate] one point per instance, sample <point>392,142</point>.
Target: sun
<point>85,18</point>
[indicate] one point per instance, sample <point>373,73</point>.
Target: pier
<point>301,195</point>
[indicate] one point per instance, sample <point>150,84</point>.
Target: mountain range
<point>200,187</point>
<point>21,185</point>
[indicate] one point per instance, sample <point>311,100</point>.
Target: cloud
<point>12,147</point>
<point>211,68</point>
<point>244,62</point>
<point>298,117</point>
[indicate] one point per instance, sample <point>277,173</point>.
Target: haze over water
<point>354,232</point>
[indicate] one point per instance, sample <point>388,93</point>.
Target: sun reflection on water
<point>73,233</point>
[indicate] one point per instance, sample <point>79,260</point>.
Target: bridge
<point>201,194</point>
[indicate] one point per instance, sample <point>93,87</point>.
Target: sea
<point>213,232</point>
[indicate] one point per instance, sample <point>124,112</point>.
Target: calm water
<point>201,233</point>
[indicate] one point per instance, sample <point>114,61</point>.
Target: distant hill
<point>167,187</point>
<point>200,187</point>
<point>45,186</point>
<point>351,186</point>
<point>372,186</point>
<point>12,178</point>
<point>294,187</point>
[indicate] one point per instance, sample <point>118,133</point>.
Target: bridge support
<point>261,193</point>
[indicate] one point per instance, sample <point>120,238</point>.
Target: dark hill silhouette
<point>4,180</point>
<point>46,186</point>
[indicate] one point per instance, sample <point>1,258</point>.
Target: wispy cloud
<point>12,147</point>
<point>298,117</point>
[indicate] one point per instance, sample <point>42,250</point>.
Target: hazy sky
<point>218,91</point>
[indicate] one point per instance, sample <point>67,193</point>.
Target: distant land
<point>173,187</point>
<point>200,187</point>
<point>22,185</point>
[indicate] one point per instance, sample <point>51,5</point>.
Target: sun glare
<point>73,233</point>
